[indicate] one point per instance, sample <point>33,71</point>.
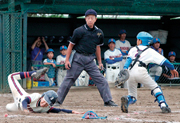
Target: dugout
<point>19,31</point>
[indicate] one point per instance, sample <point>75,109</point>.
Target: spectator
<point>37,52</point>
<point>123,45</point>
<point>166,71</point>
<point>155,71</point>
<point>50,74</point>
<point>172,56</point>
<point>61,60</point>
<point>112,57</point>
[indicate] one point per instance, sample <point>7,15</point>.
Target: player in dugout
<point>35,102</point>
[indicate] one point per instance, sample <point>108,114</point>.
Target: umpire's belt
<point>113,67</point>
<point>85,54</point>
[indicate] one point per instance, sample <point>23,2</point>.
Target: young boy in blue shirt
<point>50,74</point>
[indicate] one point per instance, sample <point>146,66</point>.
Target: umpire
<point>86,40</point>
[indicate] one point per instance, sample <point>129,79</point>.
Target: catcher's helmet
<point>145,38</point>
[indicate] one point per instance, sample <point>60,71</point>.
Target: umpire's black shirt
<point>86,39</point>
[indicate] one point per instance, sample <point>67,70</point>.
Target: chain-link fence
<point>166,78</point>
<point>164,74</point>
<point>11,46</point>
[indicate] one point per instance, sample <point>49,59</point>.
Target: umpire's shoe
<point>40,72</point>
<point>166,110</point>
<point>57,103</point>
<point>110,103</point>
<point>124,104</point>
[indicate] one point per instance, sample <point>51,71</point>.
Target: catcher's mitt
<point>122,77</point>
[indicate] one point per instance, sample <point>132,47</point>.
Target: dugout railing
<point>41,66</point>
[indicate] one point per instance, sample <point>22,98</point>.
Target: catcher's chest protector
<point>138,55</point>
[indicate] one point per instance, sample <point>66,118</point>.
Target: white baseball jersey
<point>19,95</point>
<point>61,72</point>
<point>112,54</point>
<point>148,56</point>
<point>140,74</point>
<point>60,59</point>
<point>123,46</point>
<point>33,105</point>
<point>111,74</point>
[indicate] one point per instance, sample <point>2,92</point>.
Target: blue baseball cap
<point>63,47</point>
<point>122,31</point>
<point>50,97</point>
<point>111,40</point>
<point>50,50</point>
<point>91,12</point>
<point>171,53</point>
<point>156,40</point>
<point>145,37</point>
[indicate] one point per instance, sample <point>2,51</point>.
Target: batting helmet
<point>144,37</point>
<point>50,97</point>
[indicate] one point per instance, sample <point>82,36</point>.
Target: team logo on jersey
<point>99,34</point>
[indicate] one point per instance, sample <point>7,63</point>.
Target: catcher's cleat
<point>166,110</point>
<point>110,103</point>
<point>124,104</point>
<point>40,72</point>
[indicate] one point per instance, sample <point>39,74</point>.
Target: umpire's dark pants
<point>82,62</point>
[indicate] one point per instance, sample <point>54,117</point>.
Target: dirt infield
<point>85,99</point>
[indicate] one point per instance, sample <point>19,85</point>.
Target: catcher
<point>35,103</point>
<point>139,57</point>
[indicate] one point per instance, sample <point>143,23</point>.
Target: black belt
<point>113,67</point>
<point>141,64</point>
<point>85,54</point>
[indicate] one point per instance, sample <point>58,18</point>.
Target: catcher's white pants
<point>155,71</point>
<point>121,68</point>
<point>139,75</point>
<point>60,76</point>
<point>83,79</point>
<point>18,92</point>
<point>111,74</point>
<point>50,80</point>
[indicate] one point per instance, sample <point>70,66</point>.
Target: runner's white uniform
<point>112,70</point>
<point>19,95</point>
<point>140,74</point>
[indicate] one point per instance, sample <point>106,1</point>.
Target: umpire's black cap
<point>91,12</point>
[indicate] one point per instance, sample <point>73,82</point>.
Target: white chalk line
<point>114,118</point>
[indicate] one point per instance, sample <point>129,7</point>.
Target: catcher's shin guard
<point>157,92</point>
<point>125,101</point>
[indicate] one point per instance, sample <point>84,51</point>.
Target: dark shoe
<point>56,104</point>
<point>166,110</point>
<point>124,104</point>
<point>40,72</point>
<point>110,103</point>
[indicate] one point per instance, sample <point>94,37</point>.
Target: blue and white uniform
<point>50,74</point>
<point>113,59</point>
<point>139,74</point>
<point>155,70</point>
